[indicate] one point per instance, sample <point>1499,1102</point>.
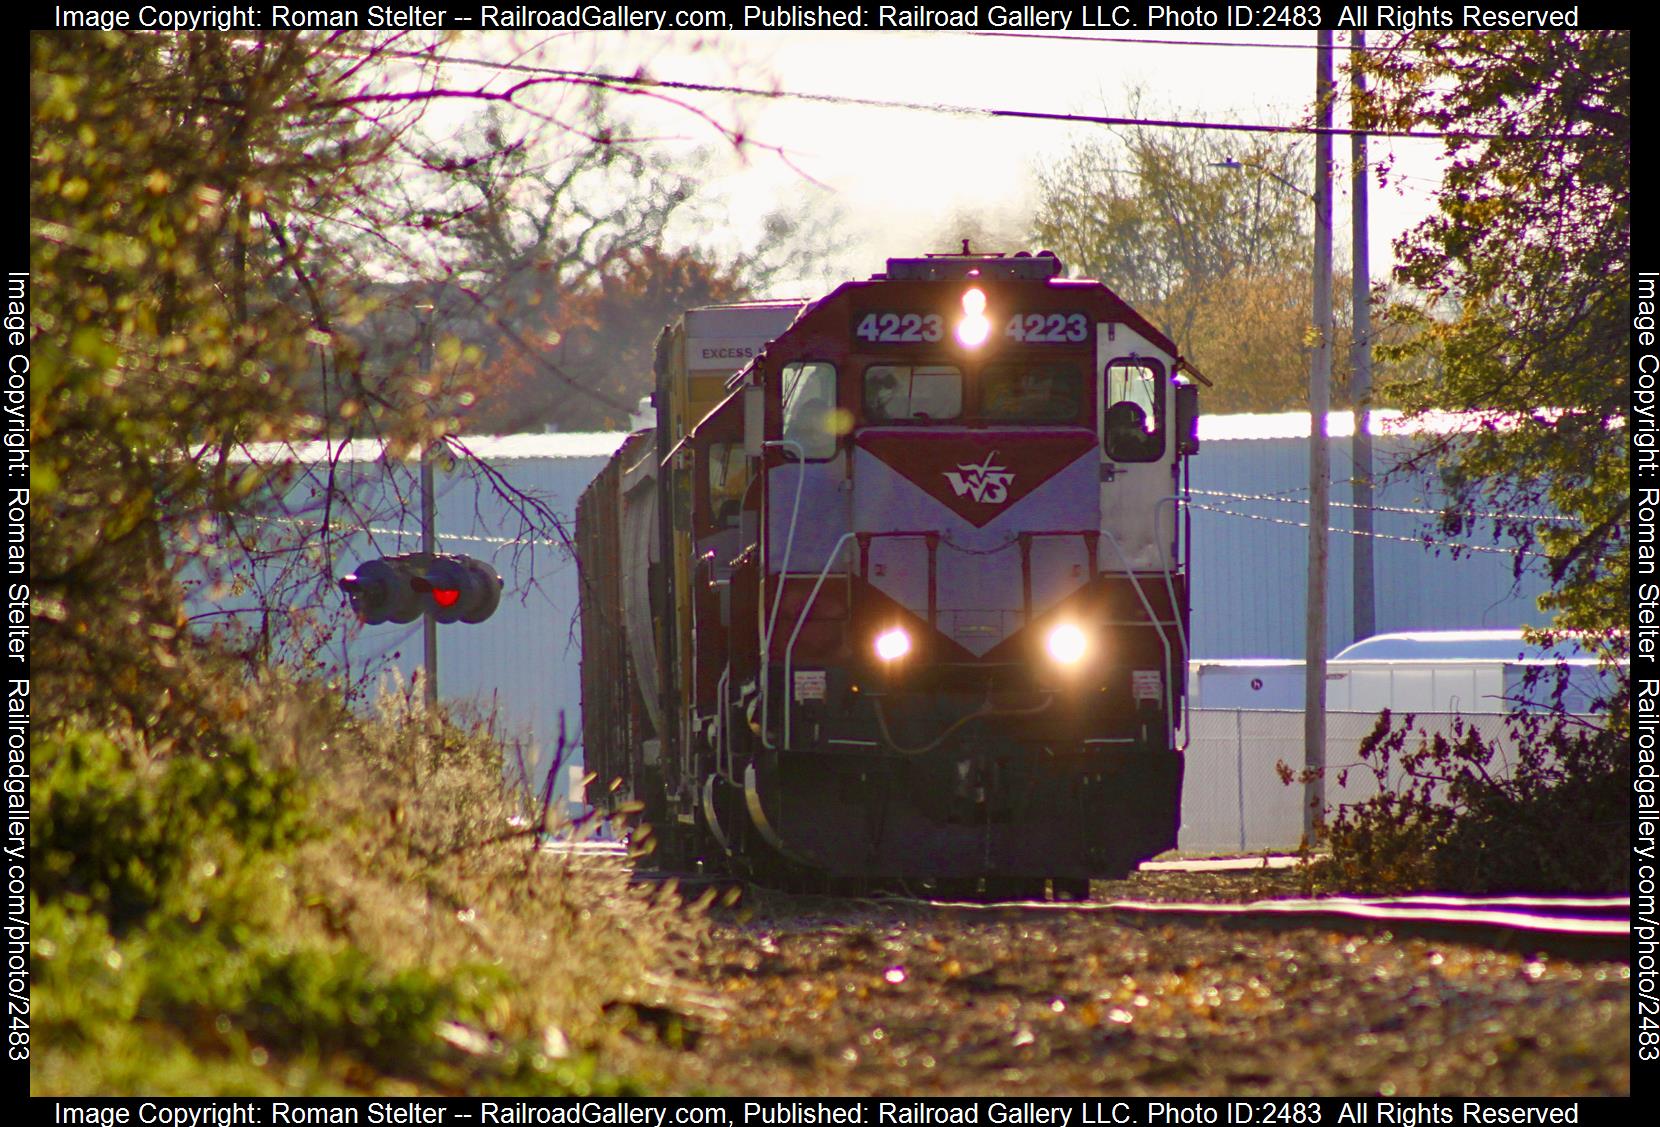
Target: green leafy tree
<point>1530,244</point>
<point>179,185</point>
<point>213,221</point>
<point>243,242</point>
<point>1530,250</point>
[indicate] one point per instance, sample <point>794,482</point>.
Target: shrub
<point>359,904</point>
<point>1463,817</point>
<point>161,897</point>
<point>120,832</point>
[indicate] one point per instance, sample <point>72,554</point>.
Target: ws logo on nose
<point>986,483</point>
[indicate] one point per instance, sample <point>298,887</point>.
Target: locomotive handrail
<point>789,648</point>
<point>1164,639</point>
<point>783,571</point>
<point>723,745</point>
<point>1169,568</point>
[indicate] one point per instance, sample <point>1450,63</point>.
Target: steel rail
<point>1575,928</point>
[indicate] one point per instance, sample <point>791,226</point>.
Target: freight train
<point>902,600</point>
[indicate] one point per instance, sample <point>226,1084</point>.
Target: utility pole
<point>1360,382</point>
<point>1319,456</point>
<point>429,536</point>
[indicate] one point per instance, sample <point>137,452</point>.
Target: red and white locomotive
<point>906,600</point>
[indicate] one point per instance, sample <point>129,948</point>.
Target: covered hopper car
<point>904,599</point>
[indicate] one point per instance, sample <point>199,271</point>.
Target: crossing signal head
<point>379,591</point>
<point>401,588</point>
<point>458,588</point>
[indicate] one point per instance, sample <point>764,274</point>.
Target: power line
<point>352,529</point>
<point>1281,498</point>
<point>1420,542</point>
<point>638,83</point>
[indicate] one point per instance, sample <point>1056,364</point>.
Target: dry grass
<point>444,873</point>
<point>417,938</point>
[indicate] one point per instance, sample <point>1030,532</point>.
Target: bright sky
<point>897,175</point>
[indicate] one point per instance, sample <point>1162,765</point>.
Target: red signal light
<point>400,589</point>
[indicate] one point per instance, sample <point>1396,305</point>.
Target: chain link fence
<point>1234,799</point>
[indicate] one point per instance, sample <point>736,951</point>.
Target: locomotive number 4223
<point>901,328</point>
<point>926,328</point>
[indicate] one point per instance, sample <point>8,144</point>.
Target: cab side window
<point>1132,395</point>
<point>811,419</point>
<point>727,478</point>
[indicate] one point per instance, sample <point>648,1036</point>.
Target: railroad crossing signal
<point>401,588</point>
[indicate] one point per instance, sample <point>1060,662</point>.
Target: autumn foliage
<point>1529,255</point>
<point>591,351</point>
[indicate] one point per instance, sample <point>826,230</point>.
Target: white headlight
<point>1067,644</point>
<point>891,645</point>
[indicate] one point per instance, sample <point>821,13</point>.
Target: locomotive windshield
<point>921,392</point>
<point>1011,391</point>
<point>1031,393</point>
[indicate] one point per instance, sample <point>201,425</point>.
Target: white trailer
<point>1467,671</point>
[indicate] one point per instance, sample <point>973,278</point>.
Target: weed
<point>1544,810</point>
<point>343,904</point>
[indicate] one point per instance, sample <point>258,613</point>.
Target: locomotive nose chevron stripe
<point>977,474</point>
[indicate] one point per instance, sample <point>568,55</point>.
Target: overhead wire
<point>353,528</point>
<point>1422,542</point>
<point>626,83</point>
<point>639,83</point>
<point>1140,42</point>
<point>1283,499</point>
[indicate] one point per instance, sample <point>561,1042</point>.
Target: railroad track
<point>1593,928</point>
<point>1577,928</point>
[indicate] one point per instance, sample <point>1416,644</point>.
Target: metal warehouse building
<point>1250,544</point>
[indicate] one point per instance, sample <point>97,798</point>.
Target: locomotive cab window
<point>810,415</point>
<point>1024,392</point>
<point>912,393</point>
<point>1132,394</point>
<point>727,479</point>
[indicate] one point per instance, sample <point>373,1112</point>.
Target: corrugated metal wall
<point>1250,554</point>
